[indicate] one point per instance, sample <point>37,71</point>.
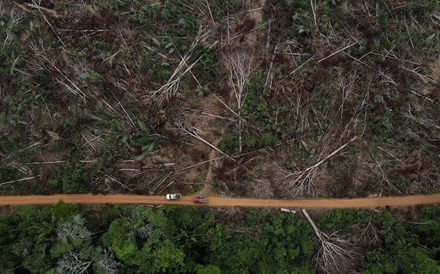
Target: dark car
<point>200,200</point>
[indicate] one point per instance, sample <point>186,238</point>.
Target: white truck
<point>174,196</point>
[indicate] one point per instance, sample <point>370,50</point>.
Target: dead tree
<point>435,68</point>
<point>19,180</point>
<point>52,64</point>
<point>368,234</point>
<point>240,64</point>
<point>15,17</point>
<point>336,255</point>
<point>71,263</point>
<point>107,264</point>
<point>73,229</point>
<point>301,183</point>
<point>192,131</point>
<point>171,87</point>
<point>385,183</point>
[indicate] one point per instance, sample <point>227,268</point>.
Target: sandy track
<point>223,201</point>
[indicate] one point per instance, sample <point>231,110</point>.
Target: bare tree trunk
<point>315,228</point>
<point>240,124</point>
<point>108,264</point>
<point>336,255</point>
<point>301,183</point>
<point>71,263</point>
<point>170,88</point>
<point>19,180</point>
<point>191,131</point>
<point>240,64</point>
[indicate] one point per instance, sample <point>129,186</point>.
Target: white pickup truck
<point>174,196</point>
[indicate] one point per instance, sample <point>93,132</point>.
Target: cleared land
<point>259,99</point>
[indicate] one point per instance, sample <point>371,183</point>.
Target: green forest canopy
<point>69,238</point>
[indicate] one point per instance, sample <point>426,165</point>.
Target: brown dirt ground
<point>211,129</point>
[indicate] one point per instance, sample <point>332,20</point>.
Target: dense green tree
<point>62,239</point>
<point>283,236</point>
<point>140,242</point>
<point>401,251</point>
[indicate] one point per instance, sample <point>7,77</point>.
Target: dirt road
<point>223,201</point>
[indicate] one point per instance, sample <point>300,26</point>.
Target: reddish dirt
<point>211,129</point>
<point>223,201</point>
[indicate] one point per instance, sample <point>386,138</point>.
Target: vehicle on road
<point>200,200</point>
<point>173,196</point>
